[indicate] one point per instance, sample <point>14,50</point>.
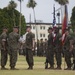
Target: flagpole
<point>54,24</point>
<point>54,19</point>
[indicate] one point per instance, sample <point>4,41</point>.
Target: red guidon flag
<point>64,24</point>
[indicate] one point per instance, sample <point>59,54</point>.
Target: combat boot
<point>13,68</point>
<point>69,68</point>
<point>3,68</point>
<point>30,68</point>
<point>51,67</point>
<point>74,64</point>
<point>58,68</point>
<point>46,65</point>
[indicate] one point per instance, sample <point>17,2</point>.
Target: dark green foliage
<point>31,4</point>
<point>6,19</point>
<point>62,2</point>
<point>73,19</point>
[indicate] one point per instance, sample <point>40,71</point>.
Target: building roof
<point>45,24</point>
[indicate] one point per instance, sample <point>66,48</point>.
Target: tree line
<point>9,17</point>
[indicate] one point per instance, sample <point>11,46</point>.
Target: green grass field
<point>38,68</point>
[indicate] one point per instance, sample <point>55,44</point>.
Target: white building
<point>41,29</point>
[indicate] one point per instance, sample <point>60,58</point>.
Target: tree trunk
<point>35,25</point>
<point>34,16</point>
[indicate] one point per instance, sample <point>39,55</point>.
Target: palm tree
<point>32,4</point>
<point>20,18</point>
<point>11,6</point>
<point>62,2</point>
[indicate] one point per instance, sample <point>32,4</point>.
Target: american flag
<point>54,18</point>
<point>54,23</point>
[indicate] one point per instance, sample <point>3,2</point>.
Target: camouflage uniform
<point>45,52</point>
<point>58,49</point>
<point>29,46</point>
<point>34,52</point>
<point>38,46</point>
<point>50,51</point>
<point>41,48</point>
<point>45,48</point>
<point>3,37</point>
<point>67,52</point>
<point>13,40</point>
<point>74,51</point>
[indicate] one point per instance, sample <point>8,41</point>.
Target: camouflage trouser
<point>74,54</point>
<point>50,57</point>
<point>0,57</point>
<point>74,59</point>
<point>58,58</point>
<point>67,55</point>
<point>13,57</point>
<point>38,51</point>
<point>3,57</point>
<point>29,57</point>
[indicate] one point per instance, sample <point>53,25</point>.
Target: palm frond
<point>31,4</point>
<point>12,5</point>
<point>62,2</point>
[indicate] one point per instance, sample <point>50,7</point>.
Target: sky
<point>43,10</point>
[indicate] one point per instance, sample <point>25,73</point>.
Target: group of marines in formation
<point>58,48</point>
<point>52,48</point>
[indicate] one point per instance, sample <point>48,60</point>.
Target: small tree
<point>6,20</point>
<point>32,4</point>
